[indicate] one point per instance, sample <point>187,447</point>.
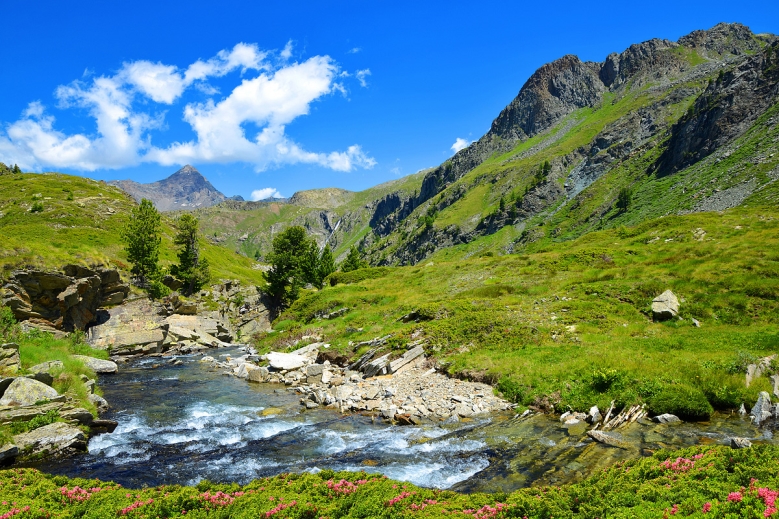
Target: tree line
<point>142,237</point>
<point>296,261</point>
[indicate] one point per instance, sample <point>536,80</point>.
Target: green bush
<point>683,401</point>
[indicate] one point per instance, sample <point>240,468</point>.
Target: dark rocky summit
<point>186,189</point>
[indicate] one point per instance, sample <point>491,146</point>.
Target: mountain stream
<point>179,424</point>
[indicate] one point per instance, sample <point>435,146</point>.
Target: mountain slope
<point>682,126</point>
<point>184,189</point>
<point>49,220</point>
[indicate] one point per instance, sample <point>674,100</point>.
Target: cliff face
<point>185,189</point>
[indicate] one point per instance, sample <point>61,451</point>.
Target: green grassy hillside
<point>49,220</point>
<point>569,323</point>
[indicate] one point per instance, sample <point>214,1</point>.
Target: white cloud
<point>354,50</point>
<point>459,144</point>
<point>286,53</point>
<point>265,192</point>
<point>361,75</point>
<point>247,125</point>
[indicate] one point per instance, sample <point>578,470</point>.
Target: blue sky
<point>269,97</point>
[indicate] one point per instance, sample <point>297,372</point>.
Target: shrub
<point>683,401</point>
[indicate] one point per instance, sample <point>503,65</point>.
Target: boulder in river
<point>665,306</point>
<point>26,391</point>
<point>761,411</point>
<point>740,443</point>
<point>99,402</point>
<point>612,439</point>
<point>666,418</point>
<point>51,439</point>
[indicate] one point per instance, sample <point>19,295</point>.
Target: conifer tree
<point>141,237</point>
<point>291,249</point>
<point>192,270</point>
<point>326,264</point>
<point>353,261</point>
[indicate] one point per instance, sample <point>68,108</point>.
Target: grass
<point>80,222</point>
<point>698,482</point>
<point>544,323</point>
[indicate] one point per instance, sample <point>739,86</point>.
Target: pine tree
<point>353,261</point>
<point>17,170</point>
<point>624,199</point>
<point>192,270</point>
<point>326,264</point>
<point>141,237</point>
<point>285,276</point>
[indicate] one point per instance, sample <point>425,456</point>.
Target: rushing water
<point>188,422</point>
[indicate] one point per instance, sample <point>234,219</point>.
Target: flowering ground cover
<point>701,481</point>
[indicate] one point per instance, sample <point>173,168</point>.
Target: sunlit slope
<point>49,220</point>
<point>570,324</point>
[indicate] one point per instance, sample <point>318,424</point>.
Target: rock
<point>696,322</point>
<point>8,451</point>
<point>132,328</point>
<point>406,358</point>
<point>761,411</point>
<point>51,439</point>
<point>172,283</point>
<point>27,413</point>
<point>594,415</point>
<point>666,418</point>
<point>98,365</point>
<point>740,443</point>
<point>612,439</point>
<point>47,367</point>
<point>327,376</point>
<point>25,391</point>
<point>103,426</point>
<point>311,405</point>
<point>79,414</point>
<point>312,370</point>
<point>258,375</point>
<point>9,357</point>
<point>665,306</point>
<point>208,358</point>
<point>99,402</point>
<point>285,361</point>
<point>376,367</point>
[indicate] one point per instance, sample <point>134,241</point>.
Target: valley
<point>599,272</point>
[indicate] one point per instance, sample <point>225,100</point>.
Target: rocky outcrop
<point>135,327</point>
<point>65,301</point>
<point>725,110</point>
<point>56,438</point>
<point>9,358</point>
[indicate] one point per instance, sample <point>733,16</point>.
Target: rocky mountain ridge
<point>185,189</point>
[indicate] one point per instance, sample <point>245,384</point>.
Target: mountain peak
<point>187,188</point>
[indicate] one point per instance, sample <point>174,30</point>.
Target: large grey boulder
<point>406,358</point>
<point>26,391</point>
<point>9,357</point>
<point>761,411</point>
<point>740,443</point>
<point>98,365</point>
<point>665,306</point>
<point>51,439</point>
<point>44,372</point>
<point>286,361</point>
